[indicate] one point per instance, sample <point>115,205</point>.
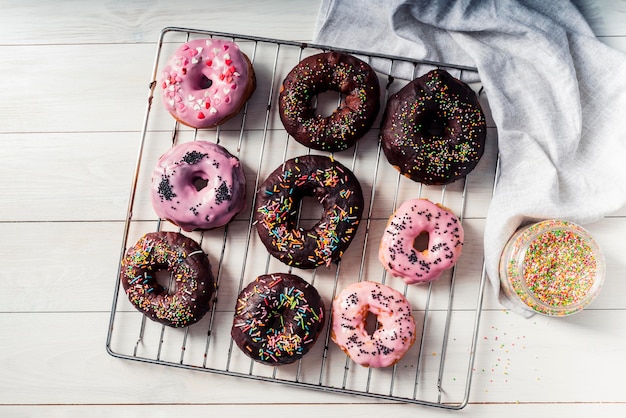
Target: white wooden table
<point>72,104</point>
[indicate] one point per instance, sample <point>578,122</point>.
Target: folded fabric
<point>556,93</point>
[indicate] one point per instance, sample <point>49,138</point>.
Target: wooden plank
<point>59,358</point>
<point>70,176</point>
<point>136,22</point>
<point>139,21</point>
<point>354,410</point>
<point>94,172</point>
<point>81,88</point>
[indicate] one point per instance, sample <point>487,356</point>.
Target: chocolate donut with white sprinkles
<point>433,129</point>
<point>192,285</point>
<point>276,211</point>
<point>277,318</point>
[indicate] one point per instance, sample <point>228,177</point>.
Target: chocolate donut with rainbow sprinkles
<point>192,284</point>
<point>350,121</point>
<point>276,212</point>
<point>277,318</point>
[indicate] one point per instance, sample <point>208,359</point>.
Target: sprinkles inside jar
<point>553,267</point>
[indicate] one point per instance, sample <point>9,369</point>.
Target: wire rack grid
<point>437,370</point>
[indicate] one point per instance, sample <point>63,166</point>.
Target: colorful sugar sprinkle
<point>554,267</point>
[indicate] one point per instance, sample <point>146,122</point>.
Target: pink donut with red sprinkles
<point>206,82</point>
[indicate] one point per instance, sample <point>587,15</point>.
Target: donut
<point>415,217</point>
<point>189,297</point>
<point>277,318</point>
<point>433,129</point>
<point>330,71</point>
<point>396,327</point>
<point>278,200</point>
<point>198,185</point>
<point>206,82</point>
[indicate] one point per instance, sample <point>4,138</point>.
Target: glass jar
<point>553,267</point>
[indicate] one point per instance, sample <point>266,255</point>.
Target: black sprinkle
<point>165,189</point>
<point>193,157</point>
<point>223,193</point>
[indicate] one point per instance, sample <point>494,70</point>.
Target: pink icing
<point>396,326</point>
<point>179,193</point>
<point>185,82</point>
<point>411,219</point>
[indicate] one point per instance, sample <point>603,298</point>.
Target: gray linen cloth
<point>557,96</point>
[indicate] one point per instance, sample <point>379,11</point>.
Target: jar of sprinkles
<point>553,267</point>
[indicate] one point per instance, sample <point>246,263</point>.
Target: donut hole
<point>199,183</point>
<point>204,82</point>
<point>420,243</point>
<point>276,321</point>
<point>325,103</point>
<point>311,210</point>
<point>434,127</point>
<point>165,280</point>
<point>371,323</point>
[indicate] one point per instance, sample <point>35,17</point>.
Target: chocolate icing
<point>433,129</point>
<point>278,198</point>
<point>355,115</point>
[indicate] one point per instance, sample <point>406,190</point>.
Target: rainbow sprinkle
<point>554,267</point>
<point>193,286</point>
<point>278,318</point>
<point>277,210</point>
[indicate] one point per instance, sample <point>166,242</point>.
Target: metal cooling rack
<point>436,372</point>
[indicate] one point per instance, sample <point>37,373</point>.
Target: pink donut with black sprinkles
<point>198,185</point>
<point>396,327</point>
<point>413,218</point>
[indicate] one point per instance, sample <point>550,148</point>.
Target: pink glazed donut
<point>198,185</point>
<point>396,326</point>
<point>206,82</point>
<point>411,219</point>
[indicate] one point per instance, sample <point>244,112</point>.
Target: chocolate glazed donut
<point>193,283</point>
<point>434,129</point>
<point>355,115</point>
<point>276,211</point>
<point>277,318</point>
